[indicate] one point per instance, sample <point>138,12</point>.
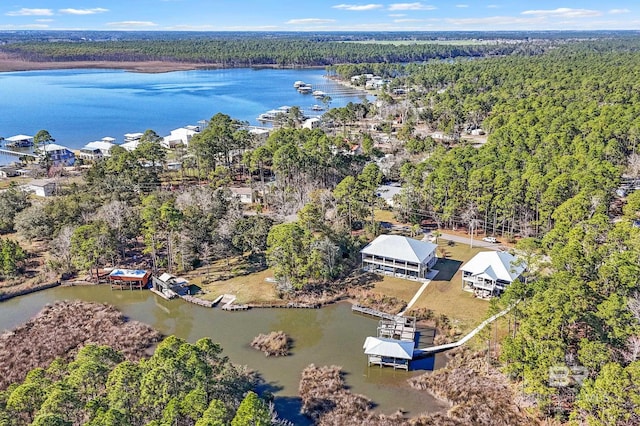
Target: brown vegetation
<point>61,329</point>
<point>379,302</point>
<point>327,401</point>
<point>275,343</point>
<point>478,393</point>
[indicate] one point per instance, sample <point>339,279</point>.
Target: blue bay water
<point>80,106</point>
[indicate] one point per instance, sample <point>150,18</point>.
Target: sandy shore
<point>9,64</point>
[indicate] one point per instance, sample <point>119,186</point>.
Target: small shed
<point>169,285</point>
<point>129,278</point>
<point>389,352</point>
<point>244,194</point>
<point>41,187</point>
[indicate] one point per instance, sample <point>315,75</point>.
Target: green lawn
<point>397,287</point>
<point>251,288</point>
<point>444,295</point>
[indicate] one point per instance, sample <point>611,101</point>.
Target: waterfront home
<point>58,155</point>
<point>131,145</point>
<point>129,278</point>
<point>132,137</point>
<point>19,141</point>
<point>96,150</point>
<point>40,187</point>
<point>180,136</point>
<point>400,256</point>
<point>489,273</point>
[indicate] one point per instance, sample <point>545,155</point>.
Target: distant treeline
<point>249,52</point>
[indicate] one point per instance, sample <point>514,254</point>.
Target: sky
<point>319,15</point>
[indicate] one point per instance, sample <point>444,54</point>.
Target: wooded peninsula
<point>554,177</point>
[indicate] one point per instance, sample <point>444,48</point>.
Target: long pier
<point>17,153</point>
<point>372,312</point>
<point>465,339</point>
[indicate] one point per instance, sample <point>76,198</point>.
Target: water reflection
<point>327,336</point>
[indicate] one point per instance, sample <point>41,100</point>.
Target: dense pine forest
<point>277,49</point>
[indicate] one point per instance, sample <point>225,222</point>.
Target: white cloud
<point>83,11</point>
<point>132,24</point>
<point>462,6</point>
<point>25,27</point>
<point>512,22</point>
<point>310,21</point>
<point>411,6</point>
<point>30,12</point>
<point>44,20</point>
<point>618,11</point>
<point>357,7</point>
<point>492,6</point>
<point>397,15</point>
<point>404,21</point>
<point>564,12</point>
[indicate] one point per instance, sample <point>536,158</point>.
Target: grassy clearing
<point>396,287</point>
<point>385,216</point>
<point>251,288</point>
<point>444,295</point>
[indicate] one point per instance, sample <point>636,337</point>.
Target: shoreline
<point>9,64</point>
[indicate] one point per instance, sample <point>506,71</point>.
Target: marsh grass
<point>276,343</point>
<point>477,393</point>
<point>61,329</point>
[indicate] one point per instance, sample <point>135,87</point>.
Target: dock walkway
<point>465,339</point>
<point>372,312</point>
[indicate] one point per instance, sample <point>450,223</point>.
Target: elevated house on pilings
<point>489,273</point>
<point>395,344</point>
<point>130,279</point>
<point>388,352</point>
<point>399,256</point>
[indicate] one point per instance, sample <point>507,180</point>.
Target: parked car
<point>490,239</point>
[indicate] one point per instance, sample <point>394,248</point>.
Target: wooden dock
<point>372,312</point>
<point>17,153</point>
<point>228,304</point>
<point>197,301</point>
<point>435,349</point>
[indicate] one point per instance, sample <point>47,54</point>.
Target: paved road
<point>477,242</point>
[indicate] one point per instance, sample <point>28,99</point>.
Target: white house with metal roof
<point>19,141</point>
<point>96,150</point>
<point>400,256</point>
<point>490,272</point>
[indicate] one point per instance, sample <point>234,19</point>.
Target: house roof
<point>388,347</point>
<point>387,192</point>
<point>165,277</point>
<point>17,138</point>
<point>130,146</point>
<point>128,273</point>
<point>54,147</point>
<point>41,182</point>
<point>399,247</point>
<point>495,265</point>
<point>102,145</point>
